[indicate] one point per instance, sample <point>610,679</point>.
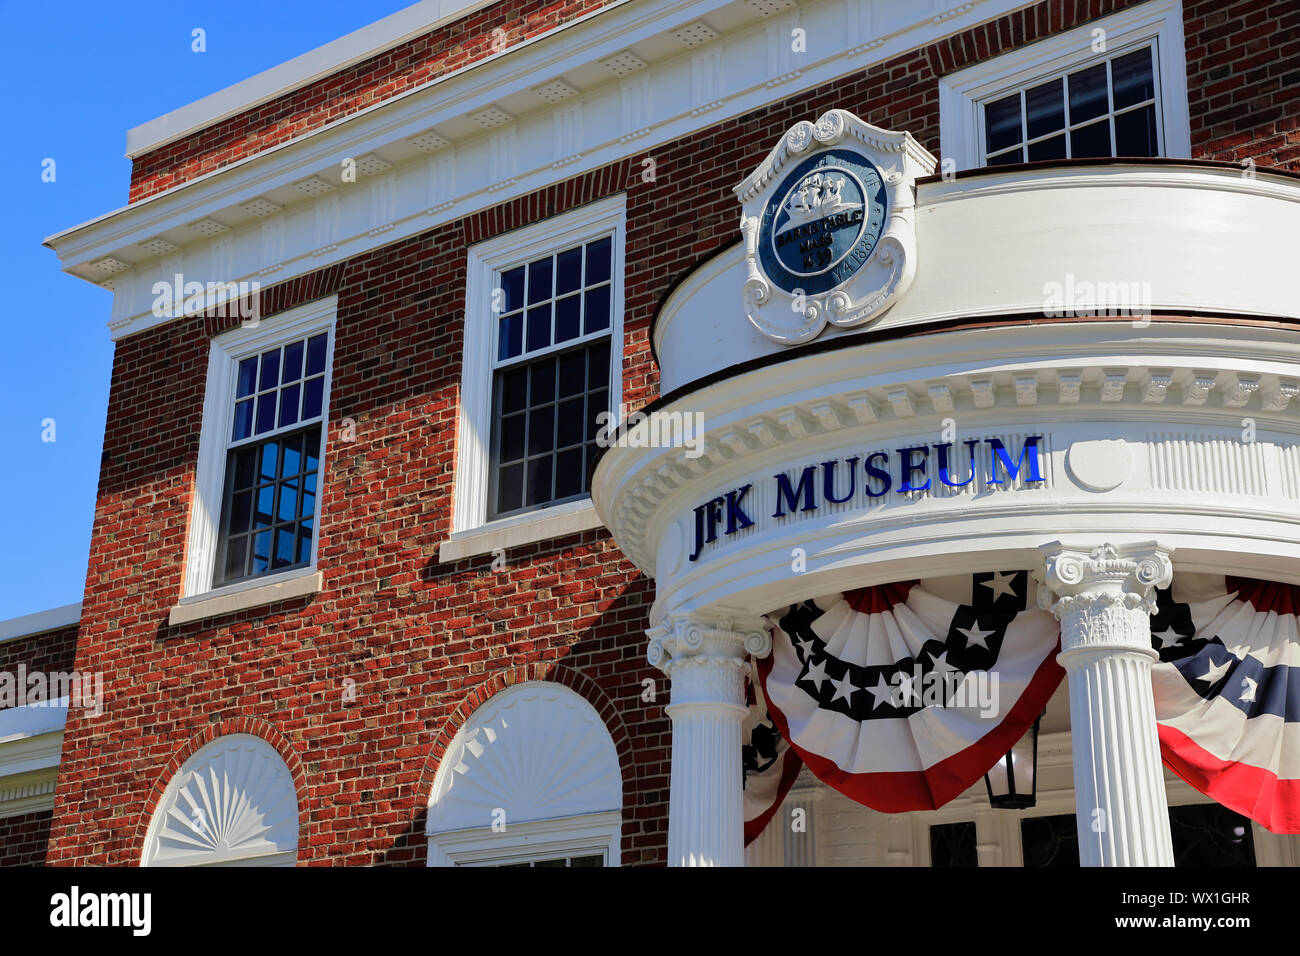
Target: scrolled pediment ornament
<point>828,226</point>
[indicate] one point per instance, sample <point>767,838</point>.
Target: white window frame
<point>226,351</point>
<point>586,835</point>
<point>472,533</point>
<point>961,94</point>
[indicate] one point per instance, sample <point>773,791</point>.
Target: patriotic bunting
<point>770,766</point>
<point>903,695</point>
<point>1227,693</point>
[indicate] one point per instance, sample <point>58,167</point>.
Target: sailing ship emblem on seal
<point>825,223</point>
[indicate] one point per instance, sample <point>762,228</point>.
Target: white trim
<point>474,429</point>
<point>618,124</point>
<point>584,835</point>
<point>42,622</point>
<point>218,402</point>
<point>1158,21</point>
<point>31,745</point>
<point>572,517</point>
<point>243,774</point>
<point>374,38</point>
<point>256,592</point>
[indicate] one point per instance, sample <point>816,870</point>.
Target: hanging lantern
<point>1013,781</point>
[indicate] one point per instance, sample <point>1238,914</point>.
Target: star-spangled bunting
<point>1227,693</point>
<point>841,692</point>
<point>878,690</point>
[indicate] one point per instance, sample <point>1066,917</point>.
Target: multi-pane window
<point>1108,108</point>
<point>273,460</point>
<point>551,375</point>
<point>597,860</point>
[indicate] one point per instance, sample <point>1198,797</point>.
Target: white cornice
<point>30,625</point>
<point>359,45</point>
<point>1178,377</point>
<point>615,115</point>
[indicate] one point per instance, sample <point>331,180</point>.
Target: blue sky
<point>76,77</point>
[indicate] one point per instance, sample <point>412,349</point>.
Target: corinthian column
<point>705,658</point>
<point>1103,598</point>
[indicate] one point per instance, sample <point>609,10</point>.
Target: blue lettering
<point>1012,471</point>
<point>789,497</point>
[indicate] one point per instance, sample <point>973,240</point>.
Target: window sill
<point>200,606</point>
<point>509,533</point>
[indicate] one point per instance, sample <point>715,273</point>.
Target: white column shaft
<point>1105,601</point>
<point>707,663</point>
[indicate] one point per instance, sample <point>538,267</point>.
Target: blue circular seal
<point>823,222</point>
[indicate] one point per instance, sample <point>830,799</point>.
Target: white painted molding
<point>546,525</point>
<point>332,57</point>
<point>474,413</point>
<point>232,801</point>
<point>1236,508</point>
<point>1159,21</point>
<point>789,318</point>
<point>997,243</point>
<point>224,355</point>
<point>592,834</point>
<point>29,625</point>
<point>614,118</point>
<point>258,592</point>
<point>533,764</point>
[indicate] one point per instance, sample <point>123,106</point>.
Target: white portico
<point>992,407</point>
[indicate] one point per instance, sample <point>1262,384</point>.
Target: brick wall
<point>23,838</point>
<point>427,641</point>
<point>482,34</point>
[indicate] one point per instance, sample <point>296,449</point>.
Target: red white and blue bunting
<point>902,696</point>
<point>1227,693</point>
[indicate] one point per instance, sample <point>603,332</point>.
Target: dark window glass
<point>568,271</point>
<point>1044,109</point>
<point>953,844</point>
<point>597,309</point>
<point>289,404</point>
<point>247,377</point>
<point>264,527</point>
<point>568,317</point>
<point>292,362</point>
<point>510,341</point>
<point>539,327</point>
<point>512,287</point>
<point>546,425</point>
<point>546,400</point>
<point>1004,159</point>
<point>316,354</point>
<point>269,497</point>
<point>598,260</point>
<point>1002,123</point>
<point>312,395</point>
<point>1051,148</point>
<point>270,369</point>
<point>1050,841</point>
<point>265,412</point>
<point>1135,132</point>
<point>1091,140</point>
<point>1088,98</point>
<point>1209,834</point>
<point>1131,78</point>
<point>243,420</point>
<point>539,280</point>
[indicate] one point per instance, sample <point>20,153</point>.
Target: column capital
<point>702,636</point>
<point>1084,577</point>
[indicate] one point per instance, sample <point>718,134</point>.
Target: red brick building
<point>370,609</point>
